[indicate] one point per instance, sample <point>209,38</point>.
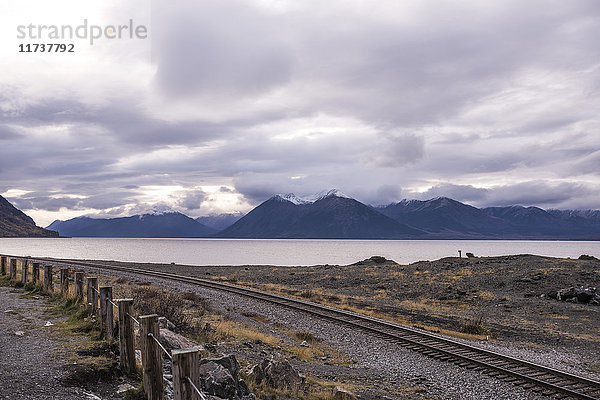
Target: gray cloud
<point>401,149</point>
<point>192,200</point>
<point>199,52</point>
<point>531,193</point>
<point>493,105</point>
<point>463,193</point>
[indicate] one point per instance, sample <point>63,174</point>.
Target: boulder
<point>218,381</point>
<point>552,295</point>
<point>277,373</point>
<point>220,378</point>
<point>587,257</point>
<point>343,394</point>
<point>585,295</point>
<point>566,294</point>
<point>166,324</point>
<point>171,340</point>
<point>576,295</point>
<point>256,373</point>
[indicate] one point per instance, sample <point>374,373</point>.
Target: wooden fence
<point>185,362</point>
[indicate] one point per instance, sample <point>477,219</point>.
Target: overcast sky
<point>230,101</point>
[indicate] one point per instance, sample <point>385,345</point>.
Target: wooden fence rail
<point>185,362</point>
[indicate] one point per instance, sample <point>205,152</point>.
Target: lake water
<point>280,252</point>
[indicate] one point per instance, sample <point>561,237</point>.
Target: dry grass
<point>232,330</point>
<point>431,306</point>
<point>485,295</point>
<point>315,389</point>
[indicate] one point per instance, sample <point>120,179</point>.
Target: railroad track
<point>535,377</point>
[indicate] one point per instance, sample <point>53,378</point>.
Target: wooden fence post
<point>24,270</point>
<point>79,286</point>
<point>92,293</point>
<point>13,268</point>
<point>151,357</point>
<point>3,265</point>
<point>106,311</point>
<point>35,273</point>
<point>64,282</point>
<point>126,335</point>
<point>185,364</point>
<point>48,286</point>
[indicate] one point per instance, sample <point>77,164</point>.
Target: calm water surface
<point>280,252</point>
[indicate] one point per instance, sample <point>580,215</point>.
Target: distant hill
<point>15,223</point>
<point>444,218</point>
<point>220,221</point>
<point>329,215</point>
<point>158,225</point>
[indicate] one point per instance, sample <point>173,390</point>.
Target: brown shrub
<point>175,307</point>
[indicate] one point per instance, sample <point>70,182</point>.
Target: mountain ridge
<point>15,223</point>
<point>152,225</point>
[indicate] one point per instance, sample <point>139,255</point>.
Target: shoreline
<point>290,252</point>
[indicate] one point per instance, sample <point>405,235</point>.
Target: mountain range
<point>333,215</point>
<point>14,223</point>
<point>160,224</point>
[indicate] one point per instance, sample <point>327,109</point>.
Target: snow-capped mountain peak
<point>329,193</point>
<point>158,210</point>
<point>291,197</point>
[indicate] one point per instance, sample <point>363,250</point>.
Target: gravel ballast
<point>377,361</point>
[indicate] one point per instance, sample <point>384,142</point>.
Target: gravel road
<point>32,357</point>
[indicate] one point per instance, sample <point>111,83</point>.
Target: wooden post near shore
<point>13,269</point>
<point>24,270</point>
<point>185,364</point>
<point>35,273</point>
<point>106,311</point>
<point>3,265</point>
<point>92,293</point>
<point>126,335</point>
<point>48,286</point>
<point>64,282</point>
<point>79,286</point>
<point>151,357</point>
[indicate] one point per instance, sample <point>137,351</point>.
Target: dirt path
<point>33,358</point>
